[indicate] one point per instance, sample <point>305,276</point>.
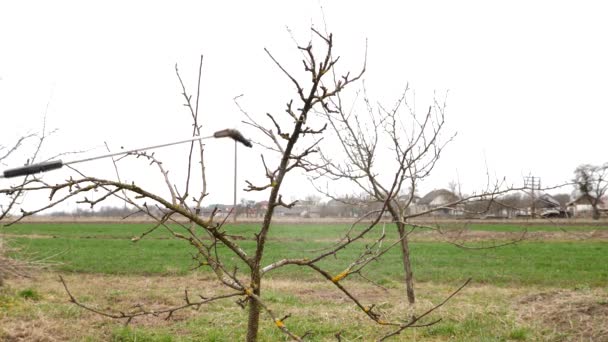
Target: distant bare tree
<point>454,187</point>
<point>312,199</point>
<point>592,183</point>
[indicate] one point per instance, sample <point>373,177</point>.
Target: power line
<point>532,183</point>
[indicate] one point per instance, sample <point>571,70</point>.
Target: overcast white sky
<point>527,80</point>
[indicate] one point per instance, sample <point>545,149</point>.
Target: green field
<point>292,231</point>
<point>107,248</point>
<point>105,251</point>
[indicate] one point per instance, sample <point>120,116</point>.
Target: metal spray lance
<point>57,164</point>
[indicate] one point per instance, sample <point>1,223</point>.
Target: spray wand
<point>57,164</point>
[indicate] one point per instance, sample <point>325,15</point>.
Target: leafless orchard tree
<point>378,142</point>
<point>9,265</point>
<point>591,181</point>
<point>25,150</point>
<point>288,142</point>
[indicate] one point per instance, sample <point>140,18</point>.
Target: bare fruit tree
<point>415,148</point>
<point>7,202</point>
<point>591,181</point>
<point>378,142</point>
<point>25,150</point>
<point>288,142</point>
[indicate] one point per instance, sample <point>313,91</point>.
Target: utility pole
<point>234,202</point>
<point>532,183</point>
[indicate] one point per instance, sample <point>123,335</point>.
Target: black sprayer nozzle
<point>34,168</point>
<point>234,134</point>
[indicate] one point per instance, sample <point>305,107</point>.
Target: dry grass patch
<point>53,317</point>
<point>481,235</point>
<point>577,315</point>
<point>480,312</point>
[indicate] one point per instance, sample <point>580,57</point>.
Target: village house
<point>581,206</point>
<point>440,200</point>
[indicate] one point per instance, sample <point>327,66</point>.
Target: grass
<point>298,231</point>
<point>565,264</point>
<point>479,313</point>
<point>315,306</point>
<point>555,226</point>
<point>104,267</point>
<point>30,294</point>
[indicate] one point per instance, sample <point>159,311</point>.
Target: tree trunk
<point>1,261</point>
<point>596,213</point>
<point>407,265</point>
<point>253,321</point>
